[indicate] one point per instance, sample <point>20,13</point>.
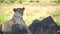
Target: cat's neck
<point>19,19</point>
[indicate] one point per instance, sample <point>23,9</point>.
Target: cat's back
<point>7,26</point>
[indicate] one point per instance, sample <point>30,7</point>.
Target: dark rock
<point>35,25</point>
<point>57,29</point>
<point>0,30</point>
<point>19,29</point>
<point>47,26</point>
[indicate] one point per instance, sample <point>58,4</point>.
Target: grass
<point>32,11</point>
<point>57,16</point>
<point>5,15</point>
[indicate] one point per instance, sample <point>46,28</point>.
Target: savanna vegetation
<point>35,9</point>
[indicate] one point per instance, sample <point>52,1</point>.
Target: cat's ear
<point>14,9</point>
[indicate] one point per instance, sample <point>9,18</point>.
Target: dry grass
<point>32,11</point>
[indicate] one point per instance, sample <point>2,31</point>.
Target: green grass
<point>55,1</point>
<point>22,1</point>
<point>11,1</point>
<point>3,19</point>
<point>5,16</point>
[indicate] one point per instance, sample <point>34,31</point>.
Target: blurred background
<point>34,9</point>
